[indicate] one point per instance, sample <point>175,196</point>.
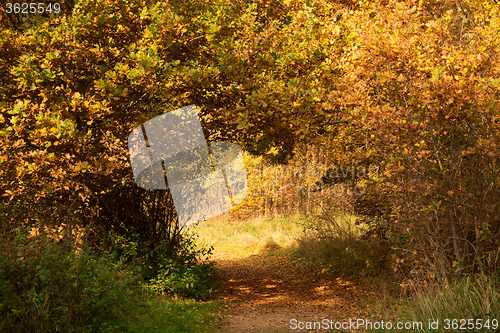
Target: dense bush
<point>53,284</point>
<point>422,85</point>
<point>183,269</point>
<point>48,287</point>
<point>186,272</point>
<point>75,84</point>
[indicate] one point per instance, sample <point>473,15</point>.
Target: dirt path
<point>265,292</point>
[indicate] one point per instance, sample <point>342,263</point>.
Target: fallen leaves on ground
<point>264,292</point>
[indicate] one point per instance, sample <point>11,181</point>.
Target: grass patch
<point>333,241</point>
<point>474,298</point>
<point>175,315</point>
<point>347,257</point>
<point>252,236</point>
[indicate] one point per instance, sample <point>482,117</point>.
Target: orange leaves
<point>427,92</point>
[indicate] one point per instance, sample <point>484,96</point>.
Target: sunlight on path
<point>264,287</point>
<point>265,292</point>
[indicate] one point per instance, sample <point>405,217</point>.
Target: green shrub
<point>187,272</point>
<point>176,266</point>
<point>48,287</point>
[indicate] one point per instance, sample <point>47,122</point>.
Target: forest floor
<point>266,292</point>
<point>267,288</point>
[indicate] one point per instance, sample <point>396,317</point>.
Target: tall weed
<point>336,241</point>
<point>470,304</point>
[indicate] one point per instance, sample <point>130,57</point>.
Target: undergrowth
<point>49,285</point>
<point>336,241</point>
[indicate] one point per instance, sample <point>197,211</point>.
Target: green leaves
<point>18,108</point>
<point>45,284</point>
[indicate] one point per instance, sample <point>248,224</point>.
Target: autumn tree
<point>74,84</point>
<point>423,90</point>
